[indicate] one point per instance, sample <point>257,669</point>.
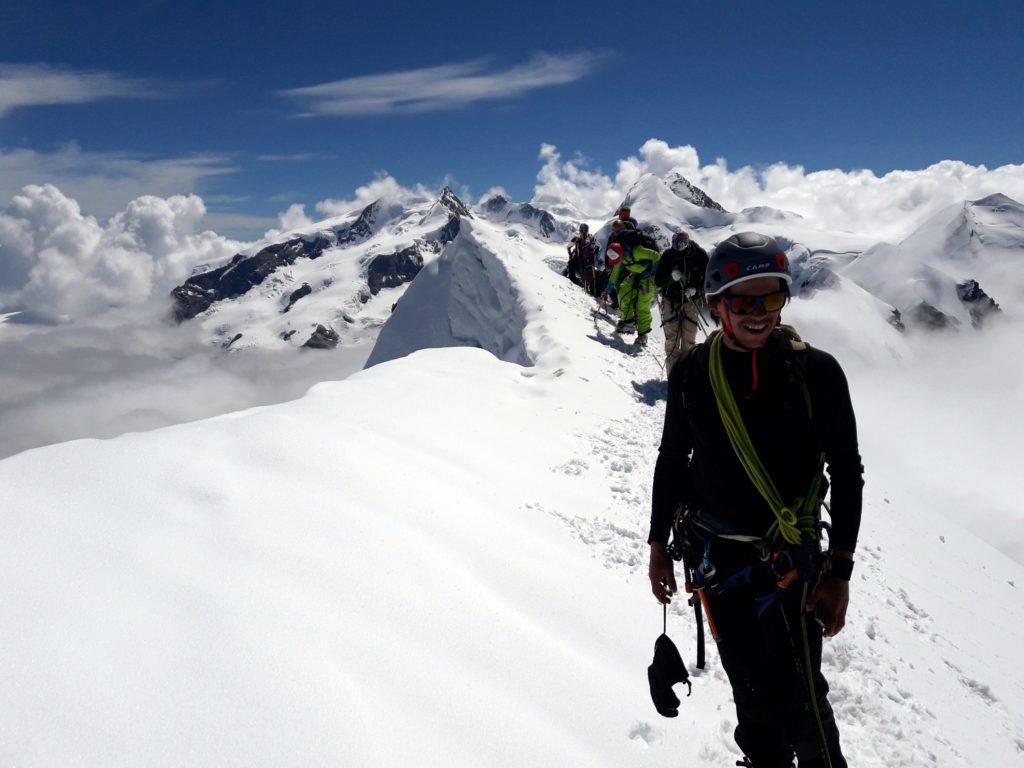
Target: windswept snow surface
<point>441,561</point>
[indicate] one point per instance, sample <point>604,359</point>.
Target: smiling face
<point>751,331</point>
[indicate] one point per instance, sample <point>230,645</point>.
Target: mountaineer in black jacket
<point>680,278</point>
<point>748,530</point>
<point>583,250</point>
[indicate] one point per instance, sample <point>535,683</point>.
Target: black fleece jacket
<point>692,261</point>
<point>696,463</point>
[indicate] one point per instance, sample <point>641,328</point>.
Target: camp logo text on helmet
<point>745,256</point>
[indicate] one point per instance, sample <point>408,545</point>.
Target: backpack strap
<point>799,347</point>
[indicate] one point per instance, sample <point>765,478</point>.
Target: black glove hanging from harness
<point>666,670</point>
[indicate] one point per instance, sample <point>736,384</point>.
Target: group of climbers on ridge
<point>626,273</point>
<point>753,417</point>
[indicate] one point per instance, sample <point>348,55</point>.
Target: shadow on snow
<point>652,391</point>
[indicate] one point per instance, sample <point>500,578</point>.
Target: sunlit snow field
<point>441,560</point>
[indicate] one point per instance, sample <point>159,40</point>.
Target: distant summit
<point>939,276</point>
<point>499,208</point>
<point>690,192</point>
<point>452,202</point>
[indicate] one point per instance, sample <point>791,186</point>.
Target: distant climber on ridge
<point>624,214</point>
<point>583,251</point>
<point>680,277</point>
<point>632,281</point>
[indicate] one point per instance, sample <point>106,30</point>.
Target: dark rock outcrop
<point>455,209</point>
<point>297,294</point>
<point>496,204</point>
<point>286,335</point>
<point>664,239</point>
<point>927,316</point>
<point>231,341</point>
<point>449,231</point>
<point>499,206</point>
<point>545,221</point>
<point>393,269</point>
<point>197,293</point>
<point>322,338</point>
<point>979,303</point>
<point>684,189</point>
<point>455,206</point>
<point>362,227</point>
<point>896,320</point>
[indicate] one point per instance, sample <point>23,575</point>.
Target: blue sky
<point>221,98</point>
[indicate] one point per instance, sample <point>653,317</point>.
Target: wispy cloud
<point>295,157</point>
<point>104,182</point>
<point>32,85</point>
<point>445,87</point>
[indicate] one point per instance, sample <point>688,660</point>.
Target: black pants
<point>760,657</point>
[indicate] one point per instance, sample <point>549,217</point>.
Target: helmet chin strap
<point>727,326</point>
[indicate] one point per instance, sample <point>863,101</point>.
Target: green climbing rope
<point>812,694</point>
<point>792,522</point>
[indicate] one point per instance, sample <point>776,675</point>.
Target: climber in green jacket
<point>632,281</point>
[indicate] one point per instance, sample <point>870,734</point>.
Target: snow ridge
<point>466,299</point>
<point>437,559</point>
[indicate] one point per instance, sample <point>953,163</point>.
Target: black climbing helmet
<point>584,229</point>
<point>680,239</point>
<point>745,256</point>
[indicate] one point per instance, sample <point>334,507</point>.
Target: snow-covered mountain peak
<point>999,202</point>
<point>498,208</point>
<point>943,273</point>
<point>970,230</point>
<point>660,211</point>
<point>764,214</point>
<point>649,190</point>
<point>331,284</point>
<point>453,204</point>
<point>494,204</point>
<point>681,186</point>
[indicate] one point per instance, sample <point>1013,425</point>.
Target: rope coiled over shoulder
<point>793,522</point>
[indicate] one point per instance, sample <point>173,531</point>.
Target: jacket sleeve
<point>671,472</point>
<point>662,273</point>
<point>614,278</point>
<point>837,430</point>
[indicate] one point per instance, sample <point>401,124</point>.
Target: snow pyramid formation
<point>465,299</point>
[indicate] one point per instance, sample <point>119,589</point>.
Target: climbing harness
<point>681,318</point>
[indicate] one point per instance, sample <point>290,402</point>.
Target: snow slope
<point>441,561</point>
